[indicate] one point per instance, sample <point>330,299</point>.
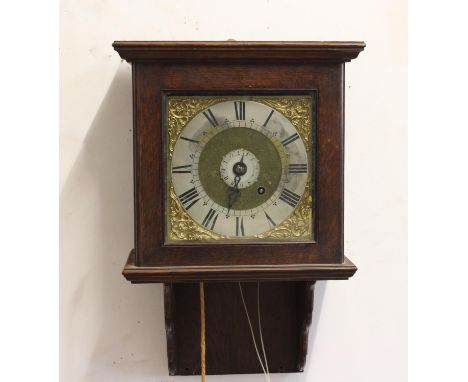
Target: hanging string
<point>260,329</point>
<point>202,333</point>
<point>267,374</point>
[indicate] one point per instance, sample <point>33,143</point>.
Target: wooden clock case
<point>287,270</point>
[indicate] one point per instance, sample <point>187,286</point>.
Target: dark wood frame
<point>160,67</point>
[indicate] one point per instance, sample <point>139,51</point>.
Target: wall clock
<point>238,174</point>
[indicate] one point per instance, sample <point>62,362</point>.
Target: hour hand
<point>233,193</point>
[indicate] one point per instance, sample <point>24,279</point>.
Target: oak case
<point>237,68</point>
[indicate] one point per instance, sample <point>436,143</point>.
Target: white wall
<point>114,331</point>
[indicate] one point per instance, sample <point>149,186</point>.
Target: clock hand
<point>233,192</point>
<point>236,182</point>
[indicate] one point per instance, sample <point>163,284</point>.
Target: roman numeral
<point>270,219</point>
<point>292,138</point>
<point>189,140</point>
<point>240,226</point>
<point>297,168</point>
<point>290,198</point>
<point>209,219</point>
<point>210,117</point>
<point>268,118</point>
<point>187,198</point>
<point>240,110</point>
<point>185,169</point>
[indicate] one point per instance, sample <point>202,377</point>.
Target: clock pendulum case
<point>238,187</point>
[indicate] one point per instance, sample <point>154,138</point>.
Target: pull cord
<point>264,367</point>
<point>202,333</point>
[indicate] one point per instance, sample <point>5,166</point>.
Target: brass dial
<point>239,169</point>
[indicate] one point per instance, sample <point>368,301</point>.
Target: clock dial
<point>239,168</point>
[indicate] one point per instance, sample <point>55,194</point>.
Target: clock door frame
<point>240,94</point>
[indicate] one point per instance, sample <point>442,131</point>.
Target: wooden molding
<point>308,307</point>
<point>169,300</point>
<point>234,51</point>
<point>296,272</point>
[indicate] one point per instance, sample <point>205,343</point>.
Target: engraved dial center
<point>239,163</point>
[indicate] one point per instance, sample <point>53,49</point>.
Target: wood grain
<point>306,302</point>
<point>237,51</point>
<point>169,307</point>
<point>303,272</point>
<point>153,81</point>
<point>229,346</point>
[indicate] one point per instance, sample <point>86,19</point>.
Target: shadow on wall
<point>114,330</point>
